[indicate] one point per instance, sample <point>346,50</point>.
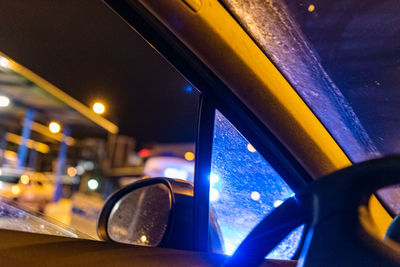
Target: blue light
<point>214,178</point>
<point>189,88</point>
<point>214,194</point>
<point>244,188</point>
<point>214,187</point>
<point>277,203</point>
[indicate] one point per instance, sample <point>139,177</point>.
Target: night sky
<point>86,50</point>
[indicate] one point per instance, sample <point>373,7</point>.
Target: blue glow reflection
<point>189,88</point>
<point>244,188</point>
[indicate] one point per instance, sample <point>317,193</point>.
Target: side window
<point>244,188</point>
<point>66,157</point>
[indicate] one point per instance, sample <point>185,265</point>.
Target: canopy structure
<point>27,90</point>
<point>28,103</point>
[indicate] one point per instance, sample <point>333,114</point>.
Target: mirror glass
<point>141,216</point>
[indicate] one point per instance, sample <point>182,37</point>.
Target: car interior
<point>244,97</point>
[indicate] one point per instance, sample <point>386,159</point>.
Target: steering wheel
<point>393,231</point>
<point>341,231</point>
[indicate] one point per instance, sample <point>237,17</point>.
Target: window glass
<point>244,188</point>
<point>92,110</point>
<point>343,59</point>
<point>14,218</point>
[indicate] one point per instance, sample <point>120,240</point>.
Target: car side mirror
<point>155,212</point>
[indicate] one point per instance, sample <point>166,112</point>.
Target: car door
<point>219,101</point>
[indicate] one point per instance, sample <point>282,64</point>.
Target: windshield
<point>343,58</point>
<point>13,217</point>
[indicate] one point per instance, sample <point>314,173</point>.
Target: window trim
<point>202,170</point>
<point>219,97</point>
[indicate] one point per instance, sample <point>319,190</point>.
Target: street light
<point>93,184</point>
<point>99,108</point>
<point>54,127</point>
<point>5,63</point>
<point>189,156</point>
<point>4,101</point>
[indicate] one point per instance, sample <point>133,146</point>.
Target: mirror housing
<point>132,206</point>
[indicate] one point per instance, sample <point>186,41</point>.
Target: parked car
<point>32,189</point>
<point>277,139</point>
<point>7,181</point>
<point>169,160</point>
